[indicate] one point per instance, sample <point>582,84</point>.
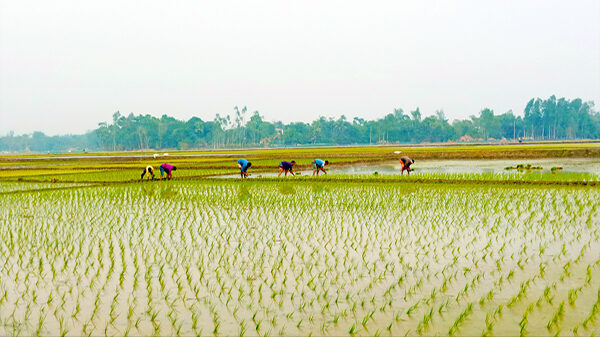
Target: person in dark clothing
<point>287,166</point>
<point>406,162</point>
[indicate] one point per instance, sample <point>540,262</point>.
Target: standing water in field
<point>473,166</point>
<point>296,259</point>
<point>582,165</point>
<point>575,165</point>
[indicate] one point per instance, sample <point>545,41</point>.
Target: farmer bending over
<point>243,164</point>
<point>287,166</point>
<point>148,170</point>
<point>168,168</point>
<point>406,162</point>
<point>318,165</point>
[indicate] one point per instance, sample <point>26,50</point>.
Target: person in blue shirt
<point>287,166</point>
<point>318,165</point>
<point>244,164</point>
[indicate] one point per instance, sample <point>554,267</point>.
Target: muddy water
<point>581,165</point>
<point>476,166</point>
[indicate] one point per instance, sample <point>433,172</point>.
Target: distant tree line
<point>550,119</point>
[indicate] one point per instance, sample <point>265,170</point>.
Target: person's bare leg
<point>323,169</point>
<point>280,172</point>
<point>286,172</point>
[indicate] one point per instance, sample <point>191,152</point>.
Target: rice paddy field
<point>88,249</point>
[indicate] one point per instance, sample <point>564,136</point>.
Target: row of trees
<point>542,119</point>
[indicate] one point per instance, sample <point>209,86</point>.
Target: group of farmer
<point>164,169</point>
<point>286,167</point>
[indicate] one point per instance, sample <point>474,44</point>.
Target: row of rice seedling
<point>15,174</point>
<point>108,176</point>
<point>567,178</point>
<point>289,258</point>
<point>532,176</point>
<point>101,163</point>
<point>128,175</point>
<point>13,187</point>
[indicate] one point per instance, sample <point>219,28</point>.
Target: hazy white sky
<point>67,65</point>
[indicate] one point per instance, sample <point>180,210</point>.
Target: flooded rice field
<point>574,165</point>
<point>312,258</point>
<point>476,166</point>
